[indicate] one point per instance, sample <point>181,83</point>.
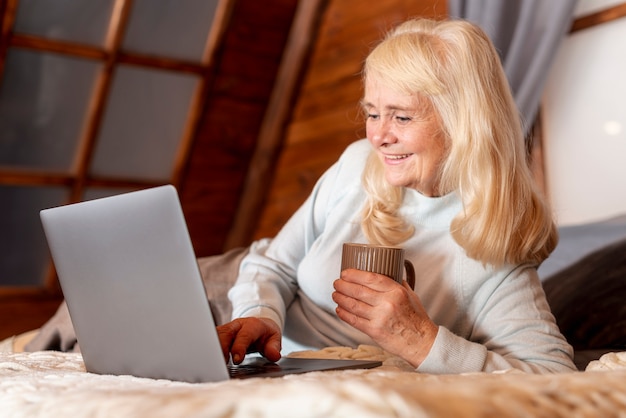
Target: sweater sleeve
<point>268,279</point>
<point>513,329</point>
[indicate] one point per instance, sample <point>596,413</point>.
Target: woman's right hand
<point>250,335</point>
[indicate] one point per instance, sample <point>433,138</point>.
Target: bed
<point>42,373</point>
<point>54,384</point>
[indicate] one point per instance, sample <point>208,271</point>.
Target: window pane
<point>170,28</point>
<point>143,124</point>
<point>67,20</point>
<point>23,249</point>
<point>43,101</point>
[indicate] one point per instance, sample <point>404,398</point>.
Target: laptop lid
<point>134,291</point>
<point>133,288</point>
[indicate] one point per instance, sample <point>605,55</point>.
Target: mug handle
<point>410,273</point>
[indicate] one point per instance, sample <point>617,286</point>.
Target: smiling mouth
<point>397,157</point>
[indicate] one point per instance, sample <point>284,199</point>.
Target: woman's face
<point>405,131</point>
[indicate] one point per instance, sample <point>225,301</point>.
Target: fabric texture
<point>484,315</point>
<point>589,299</point>
<point>54,384</point>
<point>56,334</point>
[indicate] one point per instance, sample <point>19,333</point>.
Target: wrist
<point>426,338</point>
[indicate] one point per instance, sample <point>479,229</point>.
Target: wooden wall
<point>245,72</point>
<point>326,116</point>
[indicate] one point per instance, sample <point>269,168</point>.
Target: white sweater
<point>488,319</point>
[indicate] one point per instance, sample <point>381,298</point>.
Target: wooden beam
<point>102,87</point>
<point>8,11</point>
<point>536,156</point>
<point>214,41</point>
<point>260,172</point>
<point>603,16</point>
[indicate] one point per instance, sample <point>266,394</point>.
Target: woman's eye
<point>403,119</point>
<point>372,116</point>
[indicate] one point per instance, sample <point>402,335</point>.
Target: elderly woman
<point>443,173</point>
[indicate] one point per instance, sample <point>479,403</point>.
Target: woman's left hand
<point>390,313</point>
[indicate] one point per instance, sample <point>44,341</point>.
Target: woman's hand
<point>390,313</point>
<point>250,335</point>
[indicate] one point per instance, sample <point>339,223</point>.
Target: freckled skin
<point>390,313</point>
<point>405,131</point>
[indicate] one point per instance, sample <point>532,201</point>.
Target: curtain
<point>527,34</point>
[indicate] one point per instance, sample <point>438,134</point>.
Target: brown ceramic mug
<point>378,259</point>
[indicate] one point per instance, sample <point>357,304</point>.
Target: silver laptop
<point>132,284</point>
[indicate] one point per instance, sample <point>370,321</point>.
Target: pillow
<point>588,299</point>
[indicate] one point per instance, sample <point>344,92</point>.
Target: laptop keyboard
<point>254,367</point>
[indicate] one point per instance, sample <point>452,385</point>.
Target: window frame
<point>78,179</point>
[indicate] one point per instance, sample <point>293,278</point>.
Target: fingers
<point>271,349</point>
<point>390,313</point>
<point>349,317</point>
<point>245,335</point>
<point>373,303</point>
<point>351,304</point>
<point>365,287</point>
<point>226,334</point>
<point>241,341</point>
<point>362,297</point>
<point>373,281</point>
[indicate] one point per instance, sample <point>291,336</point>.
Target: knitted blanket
<point>53,384</point>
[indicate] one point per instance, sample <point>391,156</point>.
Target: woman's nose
<point>382,133</point>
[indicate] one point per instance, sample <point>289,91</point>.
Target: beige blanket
<point>55,384</point>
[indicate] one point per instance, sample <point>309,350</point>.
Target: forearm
<point>453,354</point>
<point>508,326</point>
<point>264,288</point>
<point>261,294</point>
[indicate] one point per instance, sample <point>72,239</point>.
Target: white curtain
<point>527,34</point>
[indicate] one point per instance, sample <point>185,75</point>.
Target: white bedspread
<point>55,384</point>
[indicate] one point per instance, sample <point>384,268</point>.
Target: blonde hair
<point>455,65</point>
